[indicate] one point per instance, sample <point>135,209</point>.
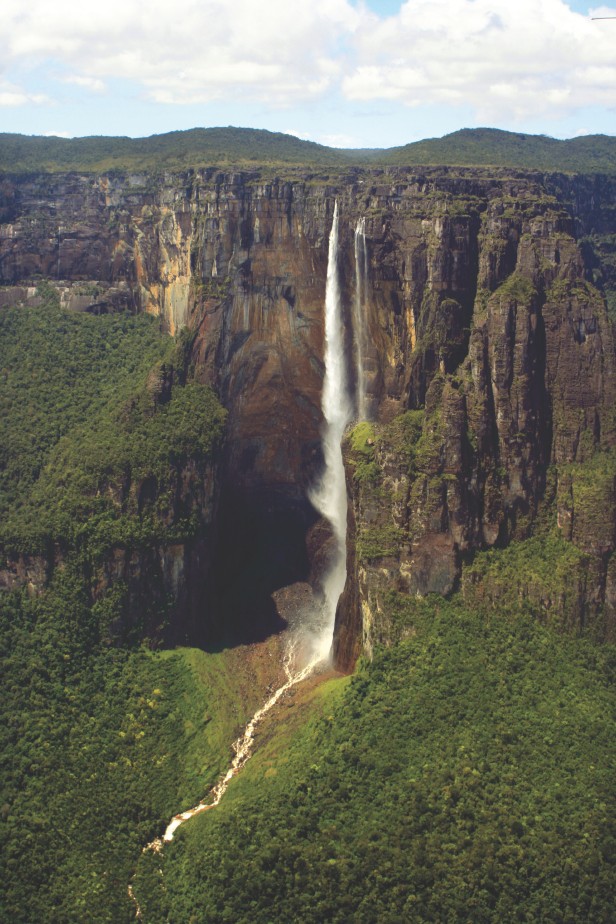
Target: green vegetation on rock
<point>362,443</point>
<point>516,288</point>
<point>371,450</point>
<point>59,371</point>
<point>86,417</point>
<point>600,256</point>
<point>465,774</point>
<point>542,576</point>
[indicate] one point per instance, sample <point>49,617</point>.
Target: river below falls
<point>243,748</point>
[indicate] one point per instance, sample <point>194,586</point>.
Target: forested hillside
<point>465,774</point>
<point>101,739</point>
<point>199,147</point>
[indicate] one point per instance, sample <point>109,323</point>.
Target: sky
<point>346,73</point>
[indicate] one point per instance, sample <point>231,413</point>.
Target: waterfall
<point>329,495</point>
<point>306,650</point>
<point>359,316</point>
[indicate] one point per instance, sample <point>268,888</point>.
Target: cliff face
<point>515,374</point>
<point>139,518</point>
<point>486,312</point>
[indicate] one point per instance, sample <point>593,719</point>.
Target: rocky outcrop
<point>537,387</point>
<point>486,304</point>
<point>145,533</point>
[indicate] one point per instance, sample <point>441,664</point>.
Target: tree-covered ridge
<point>58,371</point>
<point>99,747</point>
<point>92,408</point>
<point>99,744</point>
<point>493,147</point>
<point>466,774</point>
<point>195,147</point>
<point>230,146</point>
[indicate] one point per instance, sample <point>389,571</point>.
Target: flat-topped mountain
<point>240,146</point>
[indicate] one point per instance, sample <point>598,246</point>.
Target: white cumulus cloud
<point>519,59</point>
<point>188,51</point>
<point>88,83</point>
<point>505,60</point>
<point>13,95</point>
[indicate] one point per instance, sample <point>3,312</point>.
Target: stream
<point>330,499</point>
<point>243,747</point>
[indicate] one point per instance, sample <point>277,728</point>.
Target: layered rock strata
<point>487,310</point>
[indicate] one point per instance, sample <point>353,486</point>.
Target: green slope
<point>196,147</point>
<point>99,746</point>
<point>492,147</point>
<point>200,147</point>
<point>79,419</point>
<point>59,371</point>
<point>466,775</point>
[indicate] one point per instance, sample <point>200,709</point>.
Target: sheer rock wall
<point>487,307</point>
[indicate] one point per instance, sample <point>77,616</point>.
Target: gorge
<point>309,644</point>
<point>453,328</point>
<point>483,308</point>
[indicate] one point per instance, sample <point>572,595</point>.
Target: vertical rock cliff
<point>489,360</point>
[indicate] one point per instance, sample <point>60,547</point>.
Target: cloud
<point>518,60</point>
<point>12,95</point>
<point>188,51</point>
<point>599,11</point>
<point>504,60</point>
<point>88,83</point>
<point>338,141</point>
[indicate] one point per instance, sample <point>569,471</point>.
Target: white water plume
<point>359,316</point>
<point>329,495</point>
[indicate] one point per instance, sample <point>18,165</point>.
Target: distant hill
<point>250,147</point>
<point>196,147</point>
<point>492,147</point>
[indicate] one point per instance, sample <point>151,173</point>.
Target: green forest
<point>98,741</point>
<point>202,147</point>
<point>464,774</point>
<point>82,419</point>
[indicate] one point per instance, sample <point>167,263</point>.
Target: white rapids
<point>242,747</point>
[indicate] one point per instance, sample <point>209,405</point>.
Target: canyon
<point>487,359</point>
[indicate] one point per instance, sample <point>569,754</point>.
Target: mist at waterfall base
<point>329,494</point>
<point>310,641</point>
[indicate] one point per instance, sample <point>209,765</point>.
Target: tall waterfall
<point>329,495</point>
<point>359,317</point>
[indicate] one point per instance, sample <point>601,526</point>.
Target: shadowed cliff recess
<point>487,299</point>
